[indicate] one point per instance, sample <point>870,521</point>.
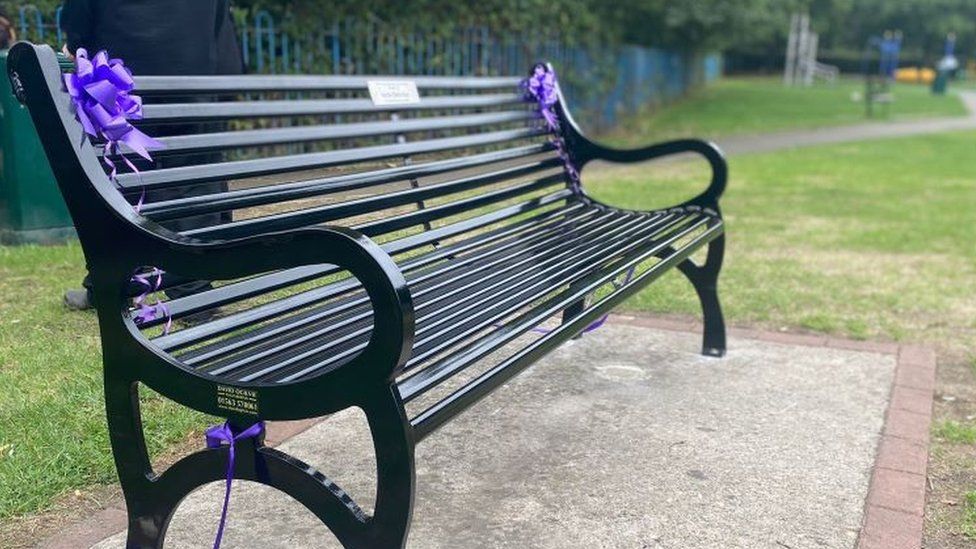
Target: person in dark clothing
<point>159,37</point>
<point>8,35</point>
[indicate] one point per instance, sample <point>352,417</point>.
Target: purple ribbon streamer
<point>541,87</point>
<point>216,436</point>
<point>151,281</point>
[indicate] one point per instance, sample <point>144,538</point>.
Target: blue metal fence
<point>603,84</point>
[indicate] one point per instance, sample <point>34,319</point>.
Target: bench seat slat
<point>487,242</point>
<point>471,392</point>
<point>455,324</point>
<point>507,299</point>
<point>500,294</point>
<point>200,302</point>
<point>426,285</point>
<point>190,112</point>
<point>427,308</point>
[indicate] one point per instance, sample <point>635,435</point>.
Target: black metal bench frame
<point>116,240</point>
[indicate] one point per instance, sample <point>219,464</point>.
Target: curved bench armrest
<point>583,149</point>
<point>720,170</point>
<point>393,315</point>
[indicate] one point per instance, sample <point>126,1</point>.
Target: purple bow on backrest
<point>541,88</point>
<point>100,89</point>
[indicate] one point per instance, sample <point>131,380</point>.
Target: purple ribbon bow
<point>217,435</point>
<point>100,89</point>
<point>541,87</point>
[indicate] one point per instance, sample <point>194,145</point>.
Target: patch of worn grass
<point>968,523</point>
<point>759,104</point>
<point>955,432</point>
<point>53,437</point>
<point>866,240</point>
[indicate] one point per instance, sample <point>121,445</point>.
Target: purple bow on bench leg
<point>218,435</point>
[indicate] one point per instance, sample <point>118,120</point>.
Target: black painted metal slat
<point>398,198</point>
<point>202,142</point>
<point>484,248</point>
<point>313,216</point>
<point>200,302</point>
<point>219,171</point>
<point>183,85</point>
<point>269,194</point>
<point>428,315</point>
<point>188,112</point>
<point>425,296</point>
<point>566,262</point>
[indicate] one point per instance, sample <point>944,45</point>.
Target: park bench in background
<point>405,259</point>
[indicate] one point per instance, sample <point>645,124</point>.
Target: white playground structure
<point>801,55</point>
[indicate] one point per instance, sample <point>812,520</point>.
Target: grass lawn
<point>52,421</point>
<point>756,105</point>
<point>864,239</point>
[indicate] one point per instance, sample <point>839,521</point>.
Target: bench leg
<point>571,312</point>
<point>151,500</point>
<point>705,280</point>
<point>396,473</point>
<point>147,526</point>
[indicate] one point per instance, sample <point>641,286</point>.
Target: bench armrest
<point>393,318</point>
<point>583,149</point>
<point>706,149</point>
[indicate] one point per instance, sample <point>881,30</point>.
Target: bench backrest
<point>254,154</point>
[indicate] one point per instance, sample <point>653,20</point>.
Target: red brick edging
<point>895,507</point>
<point>895,504</point>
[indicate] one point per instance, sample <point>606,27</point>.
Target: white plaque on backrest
<point>393,92</point>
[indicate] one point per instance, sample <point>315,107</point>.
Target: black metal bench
<point>406,260</point>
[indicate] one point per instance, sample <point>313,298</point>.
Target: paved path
<point>871,130</point>
<point>625,439</point>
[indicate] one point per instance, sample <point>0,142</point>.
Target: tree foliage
<point>848,24</point>
<point>691,25</point>
<point>697,24</point>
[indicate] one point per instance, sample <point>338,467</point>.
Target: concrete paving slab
<point>627,438</point>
